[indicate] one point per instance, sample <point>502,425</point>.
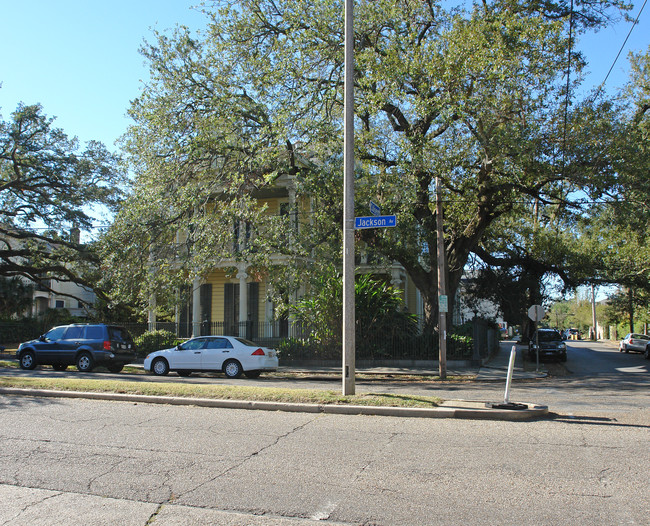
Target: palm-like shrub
<point>381,321</point>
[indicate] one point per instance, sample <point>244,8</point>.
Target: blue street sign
<point>374,209</point>
<point>375,221</point>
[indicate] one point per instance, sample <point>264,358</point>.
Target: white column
<point>196,307</point>
<point>151,313</point>
<point>397,282</point>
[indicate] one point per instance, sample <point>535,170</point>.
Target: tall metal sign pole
<point>442,287</point>
<point>348,207</point>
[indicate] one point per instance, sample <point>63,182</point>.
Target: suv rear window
<point>119,334</point>
<point>94,332</point>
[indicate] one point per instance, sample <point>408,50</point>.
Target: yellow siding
<point>261,310</point>
<point>272,206</point>
<point>218,278</point>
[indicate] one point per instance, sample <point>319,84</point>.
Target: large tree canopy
<point>47,187</point>
<point>475,95</point>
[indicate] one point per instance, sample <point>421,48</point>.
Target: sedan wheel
<point>27,360</point>
<point>647,353</point>
<point>85,363</point>
<point>232,369</point>
<point>160,367</point>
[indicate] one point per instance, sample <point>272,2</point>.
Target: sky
<point>79,58</point>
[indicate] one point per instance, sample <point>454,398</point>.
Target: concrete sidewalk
<point>496,368</point>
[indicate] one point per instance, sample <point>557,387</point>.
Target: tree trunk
<point>630,307</point>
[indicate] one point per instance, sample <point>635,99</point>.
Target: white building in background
<point>55,294</point>
<point>59,297</point>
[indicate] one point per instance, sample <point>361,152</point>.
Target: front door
<point>188,355</point>
<point>49,346</point>
<point>233,326</point>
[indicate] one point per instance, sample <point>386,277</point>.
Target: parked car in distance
<point>228,354</point>
<point>571,334</point>
<point>551,345</point>
<point>634,342</point>
<point>83,345</point>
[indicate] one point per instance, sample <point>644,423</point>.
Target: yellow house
<point>234,297</point>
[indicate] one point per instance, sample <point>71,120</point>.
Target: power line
<point>602,84</point>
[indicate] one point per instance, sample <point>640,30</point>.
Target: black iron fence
<point>296,343</point>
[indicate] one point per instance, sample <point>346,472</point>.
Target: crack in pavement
<point>252,455</point>
<point>31,505</point>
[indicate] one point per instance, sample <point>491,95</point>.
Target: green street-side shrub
<point>152,341</point>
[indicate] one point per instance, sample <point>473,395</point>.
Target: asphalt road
<point>79,462</point>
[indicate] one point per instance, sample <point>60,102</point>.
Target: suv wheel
<point>85,363</point>
<point>27,360</point>
<point>115,367</point>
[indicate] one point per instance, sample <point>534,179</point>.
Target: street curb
<point>471,410</point>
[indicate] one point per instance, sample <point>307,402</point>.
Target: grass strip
<point>221,392</point>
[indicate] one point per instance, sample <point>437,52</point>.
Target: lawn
<point>220,392</point>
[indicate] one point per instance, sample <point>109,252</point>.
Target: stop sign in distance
<point>536,313</point>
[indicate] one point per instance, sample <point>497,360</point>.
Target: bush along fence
<point>296,344</point>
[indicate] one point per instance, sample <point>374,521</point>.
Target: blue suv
<point>85,346</point>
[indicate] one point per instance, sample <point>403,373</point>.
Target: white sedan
<point>634,342</point>
<point>228,354</point>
